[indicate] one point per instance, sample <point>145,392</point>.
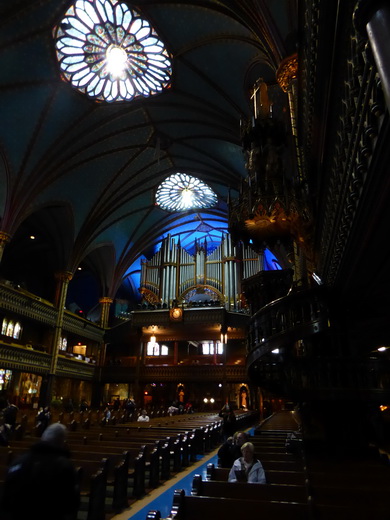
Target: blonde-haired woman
<point>247,468</point>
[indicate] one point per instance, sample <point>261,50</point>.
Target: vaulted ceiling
<point>81,175</point>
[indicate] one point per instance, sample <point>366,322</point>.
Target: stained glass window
<point>109,52</point>
<point>62,343</point>
<point>154,349</point>
<point>208,348</point>
<point>17,330</point>
<point>4,326</point>
<point>180,192</point>
<point>5,377</point>
<point>11,329</point>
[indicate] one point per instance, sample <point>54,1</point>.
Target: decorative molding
<point>63,276</point>
<point>174,373</point>
<point>33,307</point>
<point>287,72</point>
<point>105,299</point>
<point>27,360</point>
<point>5,238</point>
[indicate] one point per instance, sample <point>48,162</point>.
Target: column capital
<point>5,238</point>
<point>63,276</point>
<point>287,71</point>
<point>105,299</point>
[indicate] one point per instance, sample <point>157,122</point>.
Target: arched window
<point>154,349</point>
<point>10,329</point>
<point>208,348</point>
<point>4,326</point>
<point>62,343</point>
<point>17,330</point>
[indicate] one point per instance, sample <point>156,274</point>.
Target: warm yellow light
<point>116,60</point>
<point>152,339</point>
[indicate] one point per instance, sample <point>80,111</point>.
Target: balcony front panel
<point>24,359</point>
<point>209,373</point>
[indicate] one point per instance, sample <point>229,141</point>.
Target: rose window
<point>109,52</point>
<point>181,192</point>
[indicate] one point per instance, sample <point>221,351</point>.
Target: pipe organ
<point>173,275</point>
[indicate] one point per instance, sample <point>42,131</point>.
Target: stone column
<point>105,310</point>
<point>63,278</point>
<point>105,303</point>
<point>5,238</point>
<point>139,362</point>
<point>287,77</point>
<point>175,352</point>
<point>225,394</point>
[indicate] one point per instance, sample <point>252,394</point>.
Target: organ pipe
<point>172,270</point>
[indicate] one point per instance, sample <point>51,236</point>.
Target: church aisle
<point>160,499</point>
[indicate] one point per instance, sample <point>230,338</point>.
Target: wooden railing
<point>16,357</point>
<point>286,320</point>
<point>294,350</point>
<point>25,304</point>
<point>118,373</point>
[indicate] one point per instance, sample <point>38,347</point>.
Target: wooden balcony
<point>18,357</point>
<point>24,304</point>
<point>293,350</point>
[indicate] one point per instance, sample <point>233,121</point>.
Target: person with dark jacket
<point>10,413</point>
<point>42,483</point>
<point>43,419</point>
<point>231,449</point>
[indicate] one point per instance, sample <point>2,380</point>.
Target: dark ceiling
<point>81,175</point>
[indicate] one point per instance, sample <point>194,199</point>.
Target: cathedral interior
<point>226,239</point>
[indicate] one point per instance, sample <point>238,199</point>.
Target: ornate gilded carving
<point>106,299</point>
<point>4,237</point>
<point>287,72</point>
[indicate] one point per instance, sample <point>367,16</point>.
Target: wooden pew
<point>196,507</point>
<point>244,491</point>
<point>273,476</point>
<point>114,465</point>
<point>95,503</point>
<point>181,445</point>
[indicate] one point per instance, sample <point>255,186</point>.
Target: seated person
<point>143,417</point>
<point>247,468</point>
<point>106,416</point>
<point>172,410</point>
<point>231,449</point>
